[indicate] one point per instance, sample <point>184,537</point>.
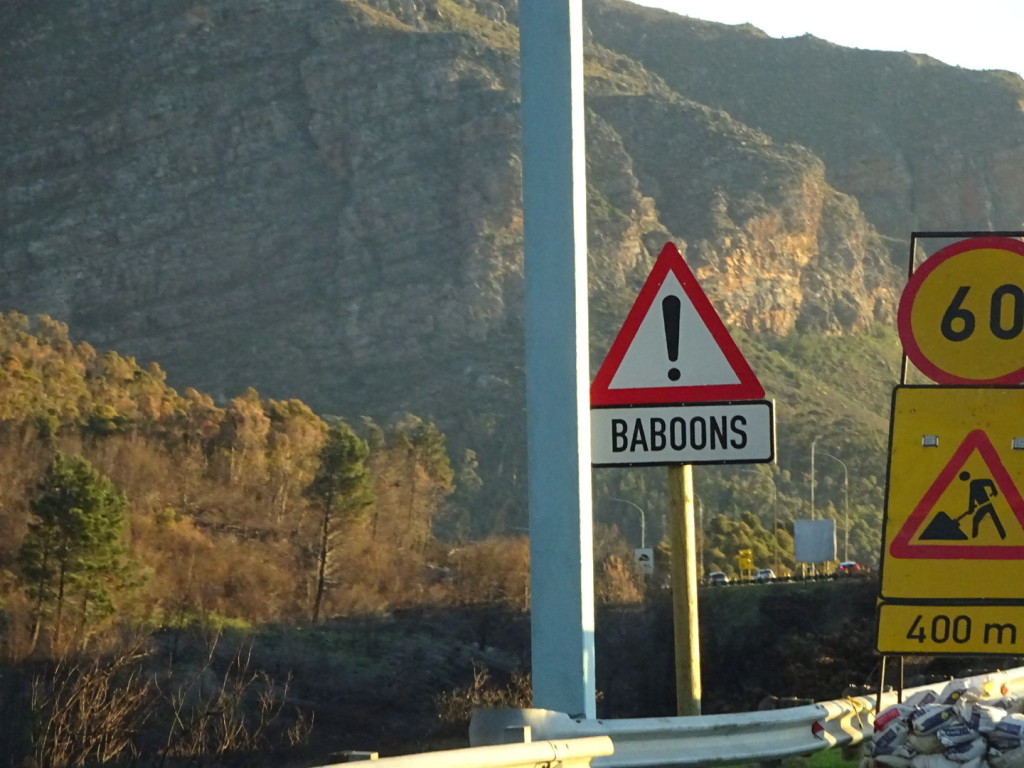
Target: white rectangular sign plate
<point>741,432</point>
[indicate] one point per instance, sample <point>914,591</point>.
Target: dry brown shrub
<point>136,705</point>
<point>249,579</point>
<point>370,577</point>
<point>90,710</point>
<point>197,571</point>
<point>233,713</point>
<point>455,708</point>
<point>496,569</point>
<point>140,468</point>
<point>618,582</point>
<point>616,578</point>
<point>170,545</point>
<point>20,467</point>
<point>16,621</point>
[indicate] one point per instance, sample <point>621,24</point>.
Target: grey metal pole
<point>846,512</point>
<point>557,361</point>
<point>700,543</point>
<point>775,525</point>
<point>643,519</point>
<point>814,442</point>
<point>775,535</point>
<point>846,503</point>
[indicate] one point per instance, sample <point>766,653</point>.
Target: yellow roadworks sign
<point>954,516</point>
<point>952,629</point>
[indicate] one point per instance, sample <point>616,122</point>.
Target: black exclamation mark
<point>670,314</point>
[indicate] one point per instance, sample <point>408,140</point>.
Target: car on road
<point>848,568</point>
<point>764,575</point>
<point>717,578</point>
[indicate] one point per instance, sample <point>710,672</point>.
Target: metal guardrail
<point>681,742</point>
<point>557,753</point>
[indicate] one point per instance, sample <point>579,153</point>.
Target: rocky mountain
<point>321,198</point>
<point>919,144</point>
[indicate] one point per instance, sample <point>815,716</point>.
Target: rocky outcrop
<point>919,144</point>
<point>775,246</point>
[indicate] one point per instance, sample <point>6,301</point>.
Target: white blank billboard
<point>814,541</point>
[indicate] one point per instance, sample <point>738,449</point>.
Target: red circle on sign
<point>912,345</point>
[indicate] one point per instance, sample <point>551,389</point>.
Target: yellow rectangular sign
<point>954,515</point>
<point>955,629</point>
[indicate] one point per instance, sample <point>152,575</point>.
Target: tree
<point>244,433</point>
<point>456,521</point>
<point>73,551</point>
<point>295,438</point>
<point>341,489</point>
<point>413,479</point>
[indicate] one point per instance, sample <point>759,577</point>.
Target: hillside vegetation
<point>257,510</point>
<point>186,582</point>
<point>321,199</point>
<point>261,510</point>
<point>139,524</point>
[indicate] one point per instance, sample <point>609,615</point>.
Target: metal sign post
<point>686,622</point>
<point>557,362</point>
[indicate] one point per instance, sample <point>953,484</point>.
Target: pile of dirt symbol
<point>963,726</point>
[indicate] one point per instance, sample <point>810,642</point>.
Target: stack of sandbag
<point>960,727</point>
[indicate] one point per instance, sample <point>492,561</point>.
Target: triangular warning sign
<point>673,347</point>
<point>972,511</point>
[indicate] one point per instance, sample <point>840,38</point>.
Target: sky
<point>980,34</point>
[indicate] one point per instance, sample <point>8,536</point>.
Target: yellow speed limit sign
<point>961,315</point>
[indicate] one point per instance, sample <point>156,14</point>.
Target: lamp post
<point>775,523</point>
<point>643,520</point>
<point>814,443</point>
<point>846,504</point>
<point>700,513</point>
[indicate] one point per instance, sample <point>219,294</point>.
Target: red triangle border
<point>975,440</point>
<point>747,388</point>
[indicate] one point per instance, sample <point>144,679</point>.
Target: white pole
<point>557,361</point>
<point>814,442</point>
<point>846,504</point>
<point>643,519</point>
<point>775,525</point>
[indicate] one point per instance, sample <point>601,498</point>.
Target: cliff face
<point>776,247</point>
<point>321,198</point>
<point>919,144</point>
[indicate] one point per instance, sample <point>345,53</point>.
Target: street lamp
<point>775,523</point>
<point>700,514</point>
<point>643,520</point>
<point>814,443</point>
<point>846,504</point>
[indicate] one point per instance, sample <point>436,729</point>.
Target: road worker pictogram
<point>973,500</point>
<point>980,493</point>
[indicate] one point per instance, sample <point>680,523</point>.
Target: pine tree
<point>417,452</point>
<point>73,553</point>
<point>341,490</point>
